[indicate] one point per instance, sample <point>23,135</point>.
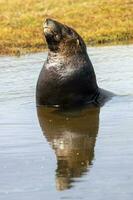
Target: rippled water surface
<point>84,154</point>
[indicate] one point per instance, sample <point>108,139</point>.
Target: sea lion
<point>67,77</point>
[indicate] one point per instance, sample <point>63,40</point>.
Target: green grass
<point>97,21</point>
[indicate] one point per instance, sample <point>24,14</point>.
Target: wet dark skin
<point>67,78</point>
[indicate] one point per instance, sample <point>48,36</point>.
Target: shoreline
<point>15,51</point>
<point>97,22</point>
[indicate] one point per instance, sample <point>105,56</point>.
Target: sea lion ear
<point>78,42</point>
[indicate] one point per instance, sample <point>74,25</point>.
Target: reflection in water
<point>72,135</point>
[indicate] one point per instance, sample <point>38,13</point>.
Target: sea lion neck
<point>64,61</point>
<point>54,57</point>
<point>66,55</point>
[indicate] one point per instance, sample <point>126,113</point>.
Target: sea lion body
<point>67,77</point>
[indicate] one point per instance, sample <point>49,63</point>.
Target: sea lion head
<point>61,38</point>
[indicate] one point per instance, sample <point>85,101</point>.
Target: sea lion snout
<point>49,23</point>
<point>50,26</point>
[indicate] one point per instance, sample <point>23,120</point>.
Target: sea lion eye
<point>57,37</point>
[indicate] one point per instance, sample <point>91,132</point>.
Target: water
<point>84,154</point>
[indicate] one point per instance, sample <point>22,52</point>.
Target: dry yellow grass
<point>98,21</point>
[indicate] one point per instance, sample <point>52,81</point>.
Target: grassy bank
<point>98,21</point>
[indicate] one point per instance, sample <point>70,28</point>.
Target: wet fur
<point>67,77</point>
